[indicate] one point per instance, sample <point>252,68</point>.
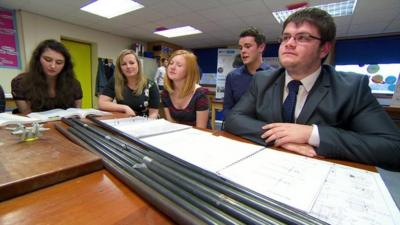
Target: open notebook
<point>331,192</point>
<point>57,114</point>
<point>143,127</point>
<point>202,149</point>
<point>8,118</point>
<point>334,193</point>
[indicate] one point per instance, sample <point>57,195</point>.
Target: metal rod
<point>170,208</point>
<point>227,204</point>
<point>142,174</point>
<point>264,204</point>
<point>237,209</point>
<point>133,160</point>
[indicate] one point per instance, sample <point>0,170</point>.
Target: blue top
<point>236,84</point>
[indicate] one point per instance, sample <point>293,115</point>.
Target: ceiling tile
<point>168,8</point>
<point>236,23</point>
<point>394,26</point>
<point>262,19</point>
<point>193,18</point>
<point>245,9</point>
<point>376,16</point>
<point>220,20</point>
<point>197,5</point>
<point>372,28</point>
<point>216,14</point>
<point>364,6</point>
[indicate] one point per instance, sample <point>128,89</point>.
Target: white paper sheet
<point>288,178</point>
<point>333,193</point>
<point>202,149</point>
<point>351,196</point>
<point>143,127</point>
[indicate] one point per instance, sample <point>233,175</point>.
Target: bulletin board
<point>225,65</point>
<point>9,50</point>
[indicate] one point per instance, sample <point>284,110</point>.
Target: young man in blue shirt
<point>252,45</point>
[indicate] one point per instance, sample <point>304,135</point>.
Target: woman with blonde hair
<point>184,100</point>
<point>135,95</point>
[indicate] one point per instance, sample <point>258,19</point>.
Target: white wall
<point>33,28</point>
<point>149,67</point>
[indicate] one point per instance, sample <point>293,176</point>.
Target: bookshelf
<point>162,49</point>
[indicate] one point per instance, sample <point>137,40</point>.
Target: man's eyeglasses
<point>298,38</point>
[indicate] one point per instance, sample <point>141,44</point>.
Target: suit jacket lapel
<point>317,93</point>
<point>277,96</point>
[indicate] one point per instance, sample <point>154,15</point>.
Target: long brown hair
<point>36,83</point>
<point>120,79</point>
<point>192,74</point>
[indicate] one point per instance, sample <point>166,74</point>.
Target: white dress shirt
<point>307,84</point>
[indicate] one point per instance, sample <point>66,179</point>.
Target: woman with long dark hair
<point>50,81</point>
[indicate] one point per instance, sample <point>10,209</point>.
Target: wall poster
<point>225,65</point>
<point>396,94</point>
<point>9,52</point>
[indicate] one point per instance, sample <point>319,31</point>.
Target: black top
<point>2,100</point>
<point>20,92</point>
<point>199,102</point>
<point>150,97</point>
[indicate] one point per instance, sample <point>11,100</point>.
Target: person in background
<point>310,108</point>
<point>105,70</point>
<point>252,46</point>
<point>184,100</point>
<point>49,82</point>
<point>109,68</point>
<point>237,62</point>
<point>2,100</point>
<point>159,77</point>
<point>135,94</point>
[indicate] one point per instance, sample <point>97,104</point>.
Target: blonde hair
<point>120,79</point>
<point>192,74</point>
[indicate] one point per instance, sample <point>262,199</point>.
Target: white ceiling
<point>220,20</point>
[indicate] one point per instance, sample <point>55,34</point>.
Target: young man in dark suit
<point>310,108</point>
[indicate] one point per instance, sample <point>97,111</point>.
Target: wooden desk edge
<point>30,184</point>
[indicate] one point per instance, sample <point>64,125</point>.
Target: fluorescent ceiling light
<point>335,9</point>
<point>179,31</point>
<point>111,8</point>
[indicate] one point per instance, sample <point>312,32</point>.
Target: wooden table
<point>28,166</point>
<point>95,198</point>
